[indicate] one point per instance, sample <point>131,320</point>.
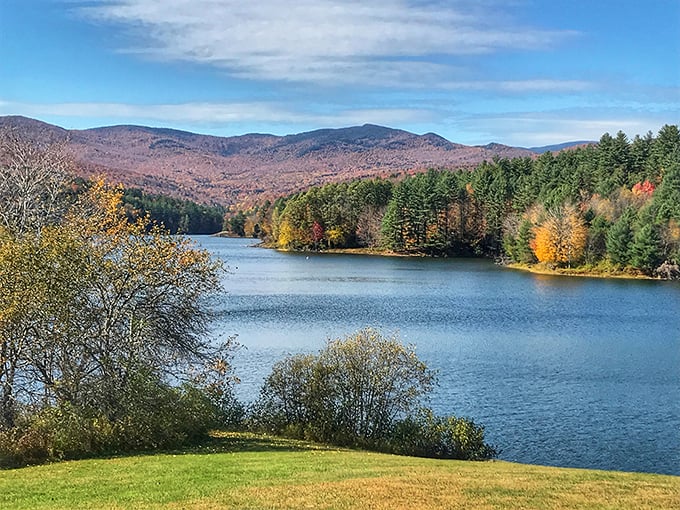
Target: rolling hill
<point>252,167</point>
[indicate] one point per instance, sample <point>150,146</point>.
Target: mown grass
<point>247,471</point>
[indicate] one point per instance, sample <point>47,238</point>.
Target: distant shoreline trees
<point>614,206</point>
<point>176,215</point>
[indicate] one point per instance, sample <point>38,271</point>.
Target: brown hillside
<point>249,168</point>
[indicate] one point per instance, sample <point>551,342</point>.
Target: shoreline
<point>535,269</point>
<point>575,272</point>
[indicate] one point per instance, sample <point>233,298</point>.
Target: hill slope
<point>252,167</point>
<point>561,146</point>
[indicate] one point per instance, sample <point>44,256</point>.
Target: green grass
<point>247,471</point>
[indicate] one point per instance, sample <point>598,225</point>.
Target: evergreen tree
<point>667,197</point>
<point>666,146</point>
<point>645,249</point>
<point>640,151</point>
<point>392,231</point>
<point>525,236</point>
<point>620,237</point>
<point>596,246</point>
<point>237,224</point>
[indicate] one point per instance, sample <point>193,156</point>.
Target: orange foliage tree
<point>561,237</point>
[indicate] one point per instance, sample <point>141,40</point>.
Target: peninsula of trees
<point>611,207</point>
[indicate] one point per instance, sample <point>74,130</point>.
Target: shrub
<point>20,447</point>
<point>350,393</point>
<point>160,416</point>
<point>442,437</point>
<point>364,390</point>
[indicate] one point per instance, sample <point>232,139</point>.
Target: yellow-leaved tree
<point>335,236</point>
<point>561,237</point>
<point>286,233</point>
<point>101,320</point>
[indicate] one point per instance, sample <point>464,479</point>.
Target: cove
<point>562,371</point>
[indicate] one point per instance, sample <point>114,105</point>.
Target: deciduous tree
<point>350,392</point>
<point>32,181</point>
<point>101,319</point>
<point>561,237</point>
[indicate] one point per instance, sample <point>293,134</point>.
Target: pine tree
<point>523,242</point>
<point>620,237</point>
<point>391,230</point>
<point>667,197</point>
<point>645,249</point>
<point>596,246</point>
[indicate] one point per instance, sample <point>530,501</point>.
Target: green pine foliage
<point>667,199</point>
<point>645,250</point>
<point>496,209</point>
<point>176,215</point>
<point>525,236</point>
<point>620,237</point>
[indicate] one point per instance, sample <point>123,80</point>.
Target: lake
<point>562,371</point>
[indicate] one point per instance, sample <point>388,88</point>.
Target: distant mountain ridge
<point>252,167</point>
<point>560,146</point>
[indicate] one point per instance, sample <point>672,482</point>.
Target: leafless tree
<point>32,178</point>
<point>369,224</point>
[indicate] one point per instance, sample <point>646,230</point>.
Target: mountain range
<point>247,169</point>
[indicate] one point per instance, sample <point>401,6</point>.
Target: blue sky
<point>519,72</point>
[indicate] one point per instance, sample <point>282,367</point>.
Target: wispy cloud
<point>517,128</point>
<point>522,86</point>
<point>321,41</point>
<point>211,114</point>
<point>545,128</point>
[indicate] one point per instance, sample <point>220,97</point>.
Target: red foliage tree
<point>645,188</point>
<point>317,232</point>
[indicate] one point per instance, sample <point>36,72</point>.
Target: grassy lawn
<point>246,471</point>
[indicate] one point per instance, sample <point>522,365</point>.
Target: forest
<point>175,214</point>
<point>610,207</point>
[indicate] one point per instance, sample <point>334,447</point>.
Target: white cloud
<point>212,114</point>
<point>545,128</point>
<point>521,86</point>
<point>320,41</point>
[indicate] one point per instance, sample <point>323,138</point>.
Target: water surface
<point>564,371</point>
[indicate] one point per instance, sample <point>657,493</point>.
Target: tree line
<point>175,215</point>
<point>178,216</point>
<point>611,206</point>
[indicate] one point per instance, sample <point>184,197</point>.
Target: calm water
<point>562,371</point>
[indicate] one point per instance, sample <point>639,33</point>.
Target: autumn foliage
<point>645,188</point>
<point>102,325</point>
<point>561,237</point>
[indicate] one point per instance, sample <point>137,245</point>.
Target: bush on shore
<point>365,390</point>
